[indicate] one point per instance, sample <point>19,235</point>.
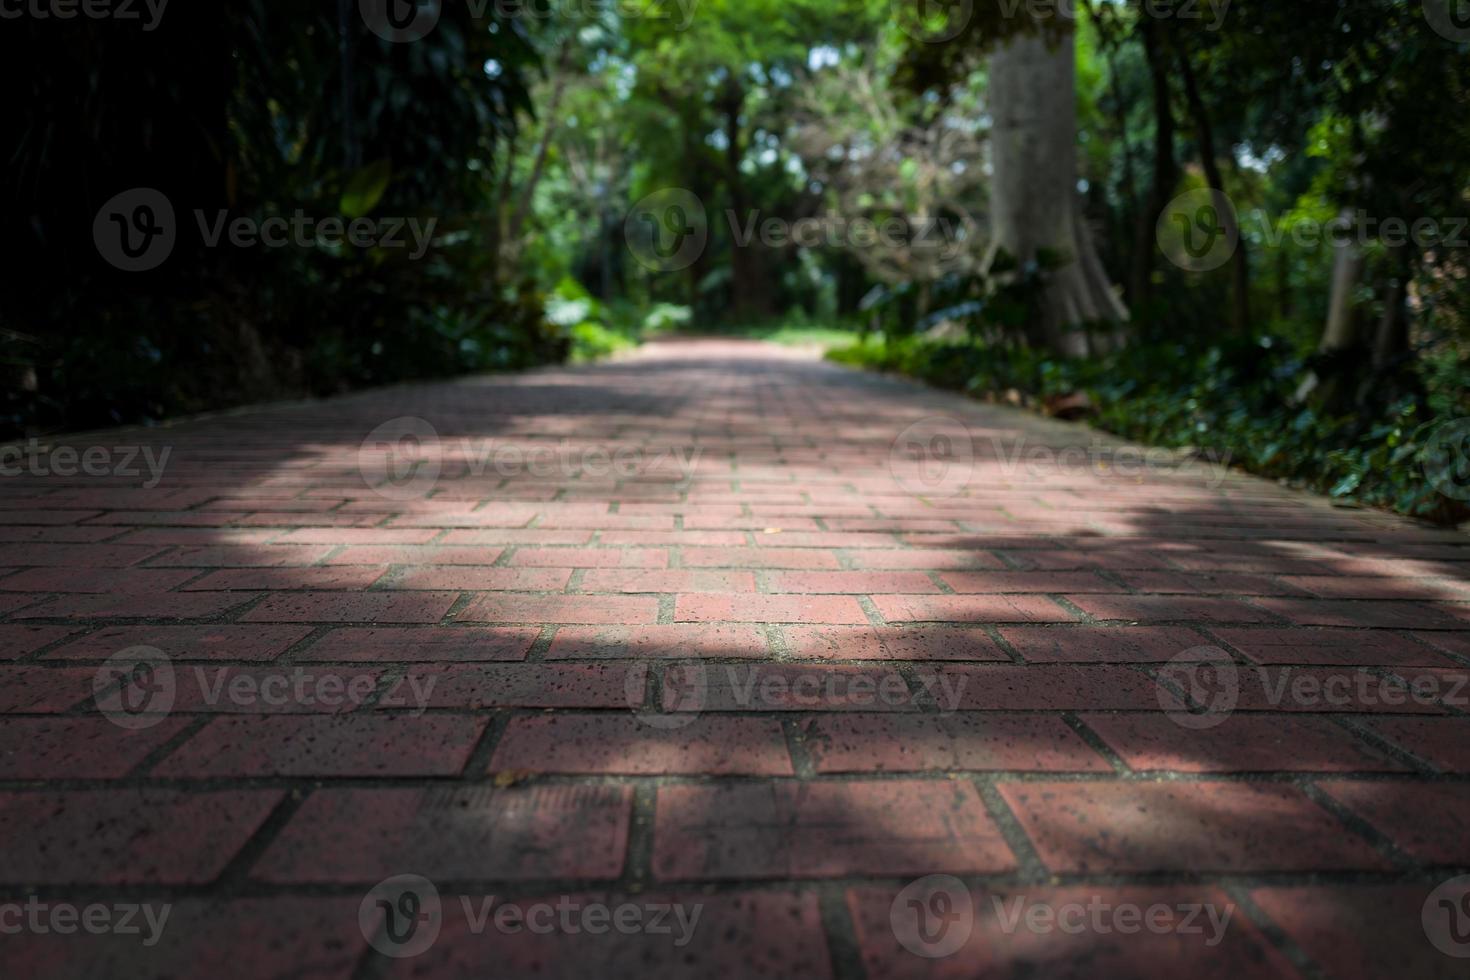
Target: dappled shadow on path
<point>729,625</point>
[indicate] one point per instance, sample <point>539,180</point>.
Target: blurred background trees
<point>1053,181</point>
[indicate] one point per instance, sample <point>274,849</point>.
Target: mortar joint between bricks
<point>1382,743</point>
<point>1095,742</point>
<point>536,652</point>
<point>477,765</point>
<point>145,765</point>
<point>920,694</point>
<point>1010,564</point>
<point>875,618</point>
<point>844,951</point>
<point>940,584</point>
<point>460,604</point>
<point>391,675</point>
<point>802,764</point>
<point>389,579</point>
<point>1030,869</point>
<point>776,645</point>
<point>1352,822</point>
<point>290,654</point>
<point>1075,610</point>
<point>1240,894</point>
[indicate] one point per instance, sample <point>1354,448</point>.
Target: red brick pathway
<point>719,631</point>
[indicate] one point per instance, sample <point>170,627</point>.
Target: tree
<point>1034,209</point>
<point>1036,221</point>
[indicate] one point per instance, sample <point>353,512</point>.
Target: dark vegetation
<point>541,140</point>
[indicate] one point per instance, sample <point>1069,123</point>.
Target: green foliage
<point>259,109</point>
<point>592,341</point>
<point>1233,401</point>
<point>365,188</point>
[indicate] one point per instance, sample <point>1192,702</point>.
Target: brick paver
<point>857,678</point>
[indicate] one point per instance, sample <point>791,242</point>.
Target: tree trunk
<point>502,201</point>
<point>1205,134</point>
<point>750,292</point>
<point>1347,268</point>
<point>1341,331</point>
<point>1034,202</point>
<point>1392,336</point>
<point>1165,176</point>
<point>1284,305</point>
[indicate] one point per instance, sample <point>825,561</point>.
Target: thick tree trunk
<point>1341,331</point>
<point>1034,204</point>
